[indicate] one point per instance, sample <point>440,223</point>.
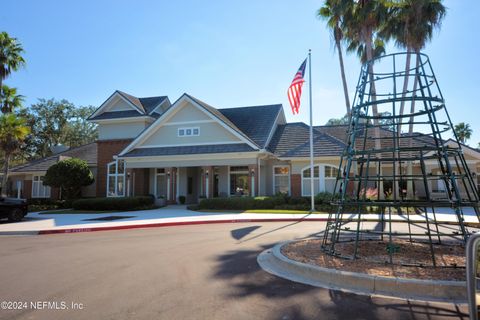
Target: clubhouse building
<point>190,148</point>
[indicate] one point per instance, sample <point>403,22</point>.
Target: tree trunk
<point>410,126</point>
<point>344,79</point>
<point>373,98</point>
<point>1,94</point>
<point>404,92</point>
<point>5,174</point>
<point>402,110</point>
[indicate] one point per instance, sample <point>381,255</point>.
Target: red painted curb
<point>170,224</point>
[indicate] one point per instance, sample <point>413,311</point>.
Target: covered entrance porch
<point>196,183</point>
<point>171,185</point>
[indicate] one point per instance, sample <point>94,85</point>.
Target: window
<point>281,179</point>
<point>324,177</point>
<point>330,178</point>
<point>188,132</point>
<point>116,179</point>
<point>239,181</point>
<point>39,190</point>
<point>306,176</point>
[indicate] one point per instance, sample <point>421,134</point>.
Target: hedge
<point>124,203</point>
<point>278,202</point>
<point>36,204</point>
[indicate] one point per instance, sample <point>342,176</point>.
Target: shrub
<point>182,199</point>
<point>298,201</point>
<point>237,203</point>
<point>70,176</point>
<point>47,204</point>
<point>278,202</point>
<point>124,203</point>
<point>323,198</point>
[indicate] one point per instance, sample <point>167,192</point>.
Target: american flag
<point>295,89</point>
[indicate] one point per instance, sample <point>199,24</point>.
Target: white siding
<point>189,113</point>
<point>123,130</point>
<point>119,104</point>
<point>209,133</point>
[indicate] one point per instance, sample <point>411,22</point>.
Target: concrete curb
<point>274,262</point>
<point>150,225</point>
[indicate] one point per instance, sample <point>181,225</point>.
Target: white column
<point>321,178</point>
<point>19,189</point>
<point>207,176</point>
<point>253,182</point>
<point>168,186</point>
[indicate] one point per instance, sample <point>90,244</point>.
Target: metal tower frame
<point>388,166</point>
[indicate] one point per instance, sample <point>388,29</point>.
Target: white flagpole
<point>312,173</point>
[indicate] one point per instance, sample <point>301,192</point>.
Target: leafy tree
<point>13,132</point>
<point>48,120</point>
<point>10,56</point>
<point>9,99</point>
<point>57,122</point>
<point>338,121</point>
<point>334,11</point>
<point>463,132</point>
<point>78,131</point>
<point>70,175</point>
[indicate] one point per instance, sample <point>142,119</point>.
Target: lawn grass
<point>227,211</point>
<point>284,211</point>
<point>72,211</point>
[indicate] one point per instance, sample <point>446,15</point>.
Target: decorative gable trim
<point>159,105</point>
<point>107,102</point>
<point>161,121</point>
<point>274,126</point>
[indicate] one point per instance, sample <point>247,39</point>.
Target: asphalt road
<point>188,272</point>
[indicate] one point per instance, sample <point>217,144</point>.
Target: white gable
<point>119,104</point>
<point>116,102</point>
<point>189,116</point>
<point>186,113</point>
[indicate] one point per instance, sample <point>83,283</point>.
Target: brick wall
<point>296,185</point>
<point>106,149</point>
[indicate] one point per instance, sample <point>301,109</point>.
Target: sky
<point>226,53</point>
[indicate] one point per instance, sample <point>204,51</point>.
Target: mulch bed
<point>373,258</point>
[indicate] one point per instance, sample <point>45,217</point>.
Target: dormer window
<point>189,132</point>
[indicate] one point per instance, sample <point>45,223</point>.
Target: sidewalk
<point>36,223</point>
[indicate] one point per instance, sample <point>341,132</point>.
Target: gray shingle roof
<point>256,121</point>
<point>185,150</point>
<point>219,115</point>
<point>292,140</point>
<point>117,115</point>
<point>150,103</point>
<point>86,152</point>
<point>134,100</point>
<point>145,105</point>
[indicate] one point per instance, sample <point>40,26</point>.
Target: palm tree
<point>361,24</point>
<point>378,49</point>
<point>9,99</point>
<point>411,25</point>
<point>10,56</point>
<point>13,132</point>
<point>333,11</point>
<point>463,132</point>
